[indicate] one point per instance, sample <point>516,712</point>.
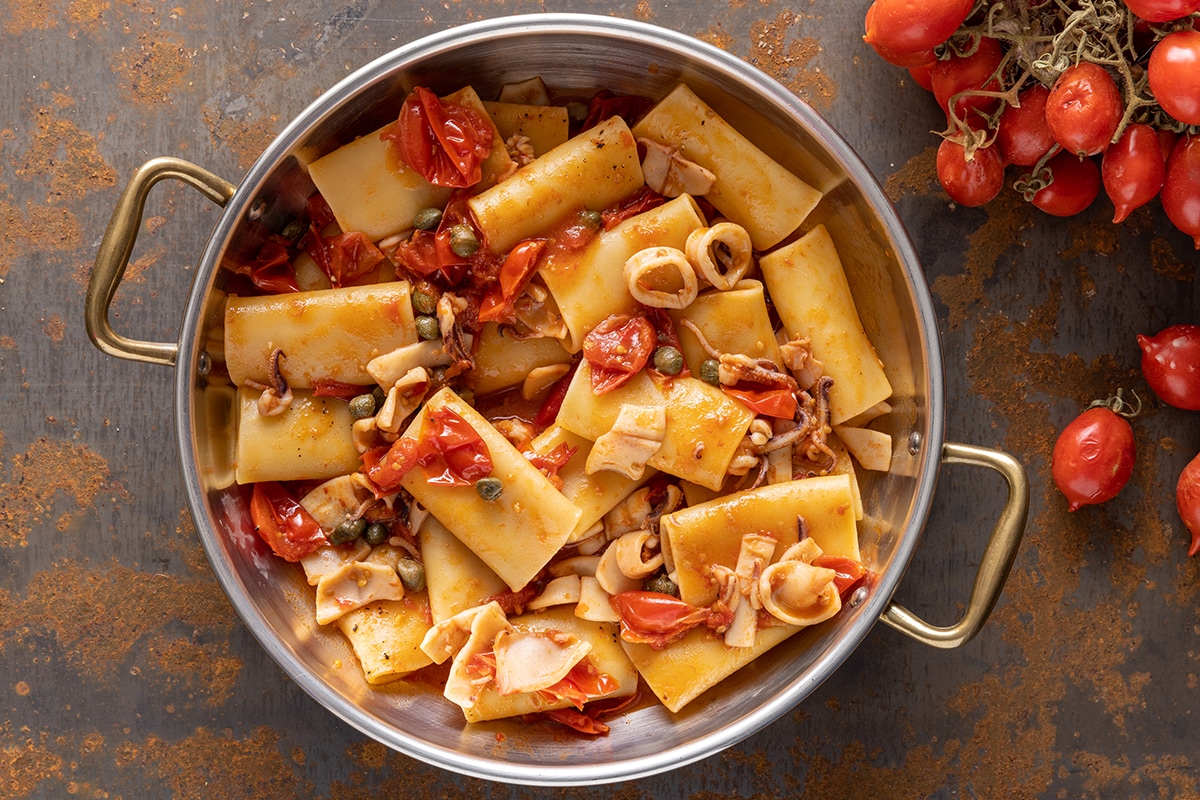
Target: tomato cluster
<point>1074,102</point>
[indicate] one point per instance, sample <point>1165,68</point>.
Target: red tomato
<point>345,258</point>
<point>970,183</point>
<point>1166,140</point>
<point>910,26</point>
<point>386,466</point>
<point>519,266</point>
<point>1133,169</point>
<point>1075,185</point>
<point>449,439</point>
<point>903,58</point>
<point>1181,188</point>
<point>967,73</point>
<point>849,572</point>
<point>1022,133</point>
<point>923,75</point>
<point>1162,10</point>
<point>287,528</point>
<point>1175,75</point>
<point>1187,500</point>
<point>1084,109</point>
<point>654,618</point>
<point>271,270</point>
<point>445,143</point>
<point>617,349</point>
<point>1093,457</point>
<point>779,403</point>
<point>1171,365</point>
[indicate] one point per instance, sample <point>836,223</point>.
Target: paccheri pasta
<point>555,405</point>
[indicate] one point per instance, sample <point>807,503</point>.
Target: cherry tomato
<point>444,142</point>
<point>1084,109</point>
<point>1075,185</point>
<point>1133,169</point>
<point>515,272</point>
<point>1093,457</point>
<point>1171,365</point>
<point>901,58</point>
<point>966,73</point>
<point>923,75</point>
<point>617,349</point>
<point>654,618</point>
<point>1187,500</point>
<point>1175,75</point>
<point>285,525</point>
<point>970,183</point>
<point>768,402</point>
<point>1022,133</point>
<point>1162,10</point>
<point>1181,188</point>
<point>910,26</point>
<point>1166,141</point>
<point>448,440</point>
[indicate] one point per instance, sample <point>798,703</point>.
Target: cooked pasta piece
<point>311,441</point>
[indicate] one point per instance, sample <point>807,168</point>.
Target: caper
<point>489,488</point>
<point>593,219</point>
<point>294,230</point>
<point>423,302</point>
<point>377,533</point>
<point>463,240</point>
<point>363,406</point>
<point>428,328</point>
<point>710,371</point>
<point>427,219</point>
<point>380,396</point>
<point>662,584</point>
<point>347,531</point>
<point>668,360</point>
<point>412,574</point>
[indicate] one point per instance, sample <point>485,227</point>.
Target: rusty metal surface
<point>125,673</point>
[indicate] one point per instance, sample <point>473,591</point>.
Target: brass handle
<point>997,559</point>
<point>117,245</point>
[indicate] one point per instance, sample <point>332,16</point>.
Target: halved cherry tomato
<point>386,466</point>
<point>1074,186</point>
<point>445,143</point>
<point>1175,75</point>
<point>1093,457</point>
<point>1084,109</point>
<point>345,257</point>
<point>519,266</point>
<point>285,525</point>
<point>970,183</point>
<point>617,349</point>
<point>654,618</point>
<point>849,572</point>
<point>1022,134</point>
<point>1133,169</point>
<point>910,26</point>
<point>271,269</point>
<point>446,437</point>
<point>769,402</point>
<point>1171,365</point>
<point>1187,500</point>
<point>1180,193</point>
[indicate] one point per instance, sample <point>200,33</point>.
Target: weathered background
<point>124,672</point>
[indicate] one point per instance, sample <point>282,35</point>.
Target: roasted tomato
<point>287,528</point>
<point>617,349</point>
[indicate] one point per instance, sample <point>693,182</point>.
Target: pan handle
<point>997,557</point>
<point>117,245</point>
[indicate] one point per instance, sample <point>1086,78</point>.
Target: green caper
<point>347,531</point>
<point>428,328</point>
<point>423,302</point>
<point>662,584</point>
<point>489,488</point>
<point>294,230</point>
<point>710,371</point>
<point>427,219</point>
<point>363,406</point>
<point>668,360</point>
<point>412,574</point>
<point>377,533</point>
<point>593,219</point>
<point>463,240</point>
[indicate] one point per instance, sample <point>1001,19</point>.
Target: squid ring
<point>721,254</point>
<point>661,277</point>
